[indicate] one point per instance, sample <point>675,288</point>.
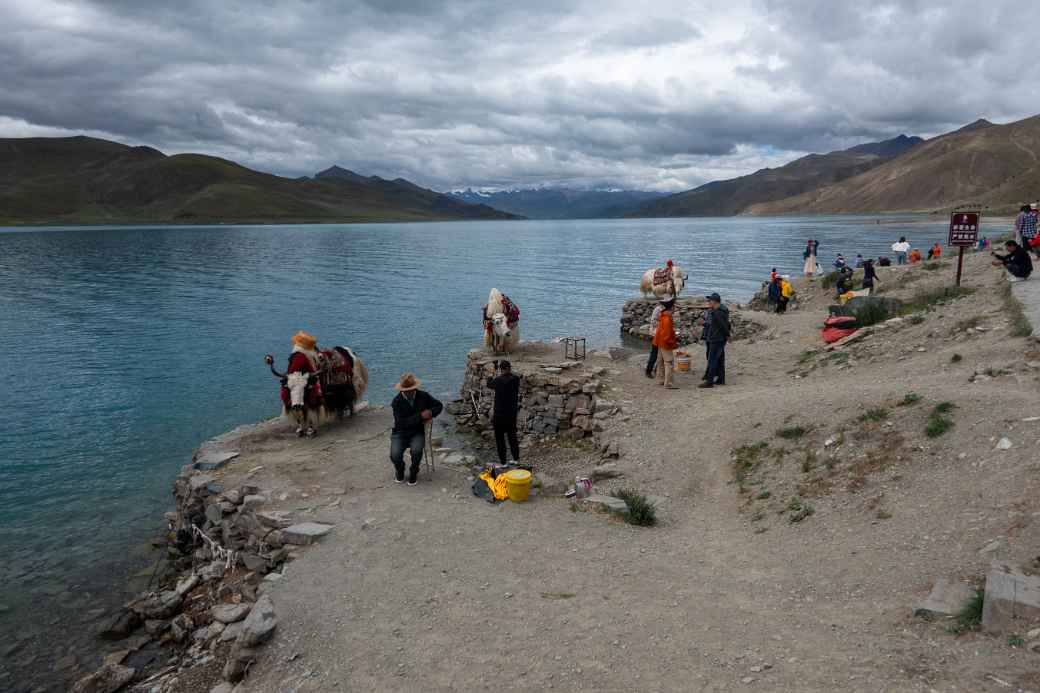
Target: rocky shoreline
<point>201,626</point>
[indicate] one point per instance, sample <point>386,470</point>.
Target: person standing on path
<point>666,341</point>
<point>412,409</point>
<point>786,291</point>
<point>901,248</point>
<point>1020,220</point>
<point>1029,229</point>
<point>506,386</point>
<point>651,363</point>
<point>870,275</point>
<point>811,249</point>
<point>716,334</point>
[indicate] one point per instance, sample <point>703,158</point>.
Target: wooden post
<point>960,263</point>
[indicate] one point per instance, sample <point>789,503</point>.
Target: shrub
<point>970,615</point>
<point>871,314</point>
<point>933,265</point>
<point>799,510</point>
<point>792,432</point>
<point>874,414</point>
<point>641,511</point>
<point>956,358</point>
<point>746,459</point>
<point>938,423</point>
<point>910,399</point>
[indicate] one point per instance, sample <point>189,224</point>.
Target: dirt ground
<point>431,589</point>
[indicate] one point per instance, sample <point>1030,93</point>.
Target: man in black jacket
<point>1016,262</point>
<point>412,409</point>
<point>506,386</point>
<point>716,334</point>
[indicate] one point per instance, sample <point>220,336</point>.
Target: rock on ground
<point>107,679</point>
<point>1012,598</point>
<point>259,624</point>
<point>946,599</point>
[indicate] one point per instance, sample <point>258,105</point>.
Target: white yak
<point>665,285</point>
<point>501,323</point>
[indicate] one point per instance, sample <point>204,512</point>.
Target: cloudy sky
<point>653,95</point>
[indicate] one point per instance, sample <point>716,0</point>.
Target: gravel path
<point>430,589</point>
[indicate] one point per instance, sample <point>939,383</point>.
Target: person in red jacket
<point>666,341</point>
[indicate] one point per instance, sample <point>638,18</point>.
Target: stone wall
<point>560,397</point>
<point>688,318</point>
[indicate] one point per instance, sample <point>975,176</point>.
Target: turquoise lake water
<point>123,348</point>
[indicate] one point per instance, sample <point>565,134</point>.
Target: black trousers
<point>652,361</point>
<point>506,428</point>
<point>781,305</point>
<point>716,363</point>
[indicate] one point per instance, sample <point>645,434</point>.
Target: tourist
<point>810,258</point>
<point>506,387</point>
<point>839,262</point>
<point>413,408</point>
<point>716,334</point>
<point>1020,221</point>
<point>651,363</point>
<point>935,252</point>
<point>915,256</point>
<point>901,248</point>
<point>859,260</point>
<point>775,291</point>
<point>843,282</point>
<point>1029,229</point>
<point>869,275</point>
<point>786,291</point>
<point>1016,262</point>
<point>773,275</point>
<point>666,341</point>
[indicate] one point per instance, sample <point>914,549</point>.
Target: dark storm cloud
<point>469,92</point>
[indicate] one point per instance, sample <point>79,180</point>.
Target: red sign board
<point>964,228</point>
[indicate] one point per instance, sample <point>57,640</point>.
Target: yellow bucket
<point>682,360</point>
<point>519,483</point>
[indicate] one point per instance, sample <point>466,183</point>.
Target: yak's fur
<point>502,337</point>
<point>677,283</point>
<point>335,403</point>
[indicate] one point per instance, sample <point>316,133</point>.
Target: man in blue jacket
<point>412,409</point>
<point>716,334</point>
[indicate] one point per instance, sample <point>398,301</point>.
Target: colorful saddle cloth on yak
<point>339,367</point>
<point>662,275</point>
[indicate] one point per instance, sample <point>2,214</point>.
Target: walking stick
<point>430,467</point>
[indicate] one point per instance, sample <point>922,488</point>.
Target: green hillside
<point>82,180</point>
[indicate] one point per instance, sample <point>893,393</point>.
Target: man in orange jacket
<point>666,341</point>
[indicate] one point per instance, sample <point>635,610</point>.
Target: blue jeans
<point>399,442</point>
<point>716,374</point>
<point>900,258</point>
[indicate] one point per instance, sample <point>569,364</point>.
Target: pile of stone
<point>224,551</point>
<point>555,397</point>
<point>688,317</point>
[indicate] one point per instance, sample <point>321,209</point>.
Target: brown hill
<point>82,180</point>
<point>997,166</point>
<point>728,197</point>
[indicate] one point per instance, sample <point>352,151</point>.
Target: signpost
<point>964,233</point>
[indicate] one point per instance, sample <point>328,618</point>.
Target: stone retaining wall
<point>688,318</point>
<point>559,397</point>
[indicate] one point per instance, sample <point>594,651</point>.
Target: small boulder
<point>107,679</point>
<point>605,471</point>
<point>946,599</point>
<point>1012,598</point>
<point>259,624</point>
<point>304,533</point>
<point>607,503</point>
<point>230,613</point>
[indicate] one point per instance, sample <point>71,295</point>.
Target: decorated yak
<point>501,323</point>
<point>318,385</point>
<point>663,281</point>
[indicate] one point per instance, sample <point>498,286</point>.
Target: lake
<point>123,348</point>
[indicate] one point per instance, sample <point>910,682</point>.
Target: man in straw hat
<point>412,409</point>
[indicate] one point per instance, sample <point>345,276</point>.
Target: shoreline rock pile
<point>210,610</point>
<point>689,320</point>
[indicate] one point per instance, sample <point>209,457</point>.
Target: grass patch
<point>836,358</point>
<point>764,494</point>
<point>558,595</point>
<point>1015,640</point>
<point>874,414</point>
<point>924,300</point>
<point>806,356</point>
<point>938,422</point>
<point>910,399</point>
<point>1020,325</point>
<point>933,265</point>
<point>799,510</point>
<point>746,459</point>
<point>956,358</point>
<point>792,432</point>
<point>970,615</point>
<point>641,511</point>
